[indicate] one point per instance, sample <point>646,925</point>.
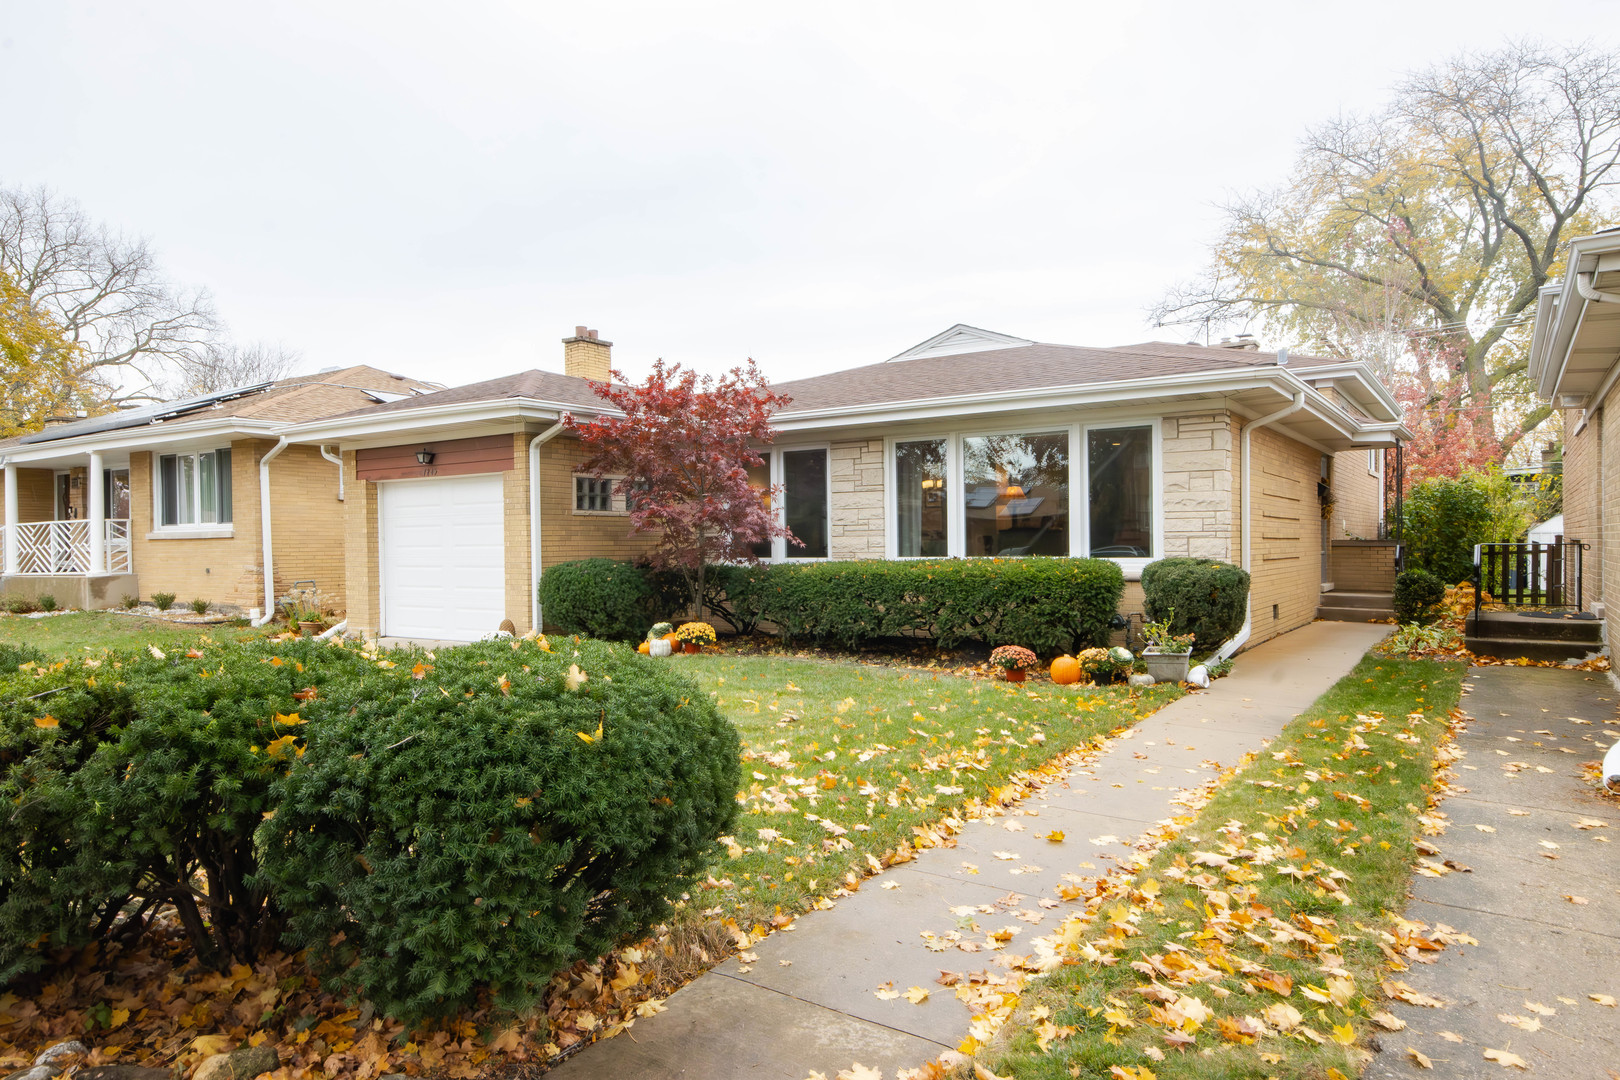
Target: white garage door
<point>443,557</point>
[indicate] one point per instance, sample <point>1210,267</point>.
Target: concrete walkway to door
<point>807,1002</point>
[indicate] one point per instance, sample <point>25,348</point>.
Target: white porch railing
<point>63,547</point>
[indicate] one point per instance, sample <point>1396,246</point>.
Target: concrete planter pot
<point>1167,666</point>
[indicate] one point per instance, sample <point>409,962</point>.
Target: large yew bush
<point>135,781</point>
<point>483,818</point>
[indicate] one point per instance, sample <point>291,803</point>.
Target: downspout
<point>338,461</point>
<point>264,532</point>
<point>1583,285</point>
<point>534,519</point>
<point>1248,504</point>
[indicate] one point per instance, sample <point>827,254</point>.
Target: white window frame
<point>1082,548</point>
<point>199,530</point>
<point>891,493</point>
<point>1375,461</point>
<point>618,505</point>
<point>776,454</point>
<point>1079,483</point>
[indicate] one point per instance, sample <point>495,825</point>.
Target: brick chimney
<point>587,356</point>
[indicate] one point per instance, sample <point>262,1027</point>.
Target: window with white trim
<point>1015,494</point>
<point>194,488</point>
<point>1120,495</point>
<point>803,479</point>
<point>1374,462</point>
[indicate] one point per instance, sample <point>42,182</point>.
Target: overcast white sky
<point>446,190</point>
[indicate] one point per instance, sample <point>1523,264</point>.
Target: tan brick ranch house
<point>170,497</point>
<point>970,444</point>
<point>1575,364</point>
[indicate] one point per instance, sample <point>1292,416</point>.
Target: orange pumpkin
<point>643,648</point>
<point>1065,670</point>
<point>674,642</point>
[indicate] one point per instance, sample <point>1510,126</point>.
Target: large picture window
<point>921,518</point>
<point>194,489</point>
<point>1015,494</point>
<point>1120,490</point>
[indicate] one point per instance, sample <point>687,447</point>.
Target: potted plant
<point>1168,654</point>
<point>694,635</point>
<point>1013,660</point>
<point>304,613</point>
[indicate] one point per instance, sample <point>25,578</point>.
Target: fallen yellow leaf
<point>1422,1062</point>
<point>1506,1058</point>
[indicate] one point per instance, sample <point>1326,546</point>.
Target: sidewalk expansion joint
<point>825,1008</point>
<point>1520,918</point>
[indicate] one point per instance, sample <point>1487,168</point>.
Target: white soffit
<point>962,338</point>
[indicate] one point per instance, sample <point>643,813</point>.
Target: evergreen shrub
<point>1444,519</point>
<point>600,598</point>
<point>136,774</point>
<point>483,819</point>
<point>1417,597</point>
<point>1203,597</point>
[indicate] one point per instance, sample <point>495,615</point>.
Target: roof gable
<point>961,338</point>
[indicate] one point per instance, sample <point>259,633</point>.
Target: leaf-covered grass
<point>1255,944</point>
<point>71,634</point>
<point>846,762</point>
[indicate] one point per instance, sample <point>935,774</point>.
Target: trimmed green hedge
<point>600,598</point>
<point>1051,605</point>
<point>1203,597</point>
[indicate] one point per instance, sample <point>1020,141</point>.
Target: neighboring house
<point>1575,364</point>
<point>971,444</point>
<point>169,497</point>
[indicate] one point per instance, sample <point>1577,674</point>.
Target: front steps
<point>1509,634</point>
<point>1339,606</point>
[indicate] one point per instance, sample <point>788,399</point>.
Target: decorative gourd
<point>643,648</point>
<point>1065,670</point>
<point>659,647</point>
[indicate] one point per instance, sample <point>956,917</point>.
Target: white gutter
<point>1583,285</point>
<point>338,461</point>
<point>534,519</point>
<point>264,532</point>
<point>1248,505</point>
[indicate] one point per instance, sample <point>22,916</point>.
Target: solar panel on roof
<point>143,414</point>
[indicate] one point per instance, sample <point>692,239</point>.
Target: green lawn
<point>843,762</point>
<point>97,630</point>
<point>1252,945</point>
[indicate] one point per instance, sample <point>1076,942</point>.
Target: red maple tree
<point>1453,426</point>
<point>683,446</point>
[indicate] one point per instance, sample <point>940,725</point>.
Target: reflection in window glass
<point>1015,494</point>
<point>804,497</point>
<point>759,478</point>
<point>1121,488</point>
<point>919,474</point>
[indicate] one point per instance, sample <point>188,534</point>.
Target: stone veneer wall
<point>857,500</point>
<point>1199,516</point>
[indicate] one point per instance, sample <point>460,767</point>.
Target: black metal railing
<point>1529,574</point>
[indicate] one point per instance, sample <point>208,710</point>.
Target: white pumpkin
<point>658,647</point>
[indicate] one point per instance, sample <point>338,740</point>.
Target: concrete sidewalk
<point>1522,775</point>
<point>808,1001</point>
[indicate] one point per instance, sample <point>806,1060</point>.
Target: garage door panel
<point>443,557</point>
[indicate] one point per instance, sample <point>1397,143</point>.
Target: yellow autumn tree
<point>38,364</point>
<point>1418,236</point>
